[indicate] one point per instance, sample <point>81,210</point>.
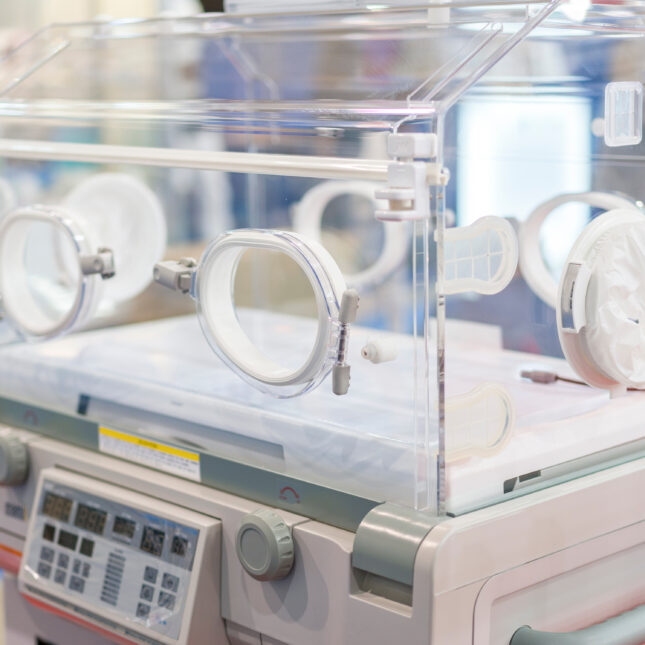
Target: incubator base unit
<point>487,577</point>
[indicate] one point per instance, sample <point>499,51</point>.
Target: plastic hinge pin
<point>410,146</point>
<point>176,275</point>
<point>102,263</point>
<point>346,316</point>
<point>409,177</point>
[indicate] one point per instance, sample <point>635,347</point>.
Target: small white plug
<point>380,350</point>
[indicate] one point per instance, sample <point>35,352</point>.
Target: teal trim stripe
<point>69,428</point>
<point>268,487</point>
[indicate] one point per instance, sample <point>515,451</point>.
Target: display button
<point>44,570</point>
<point>76,567</point>
<point>67,540</point>
<point>179,546</point>
<point>86,570</point>
<point>47,554</point>
<point>49,532</point>
<point>143,610</point>
<point>87,547</point>
<point>63,560</point>
<point>170,582</point>
<point>166,600</point>
<point>77,584</point>
<point>59,576</point>
<point>147,593</point>
<point>150,575</point>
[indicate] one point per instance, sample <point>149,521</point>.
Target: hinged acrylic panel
<point>304,243</point>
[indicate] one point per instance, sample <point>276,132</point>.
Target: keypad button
<point>87,547</point>
<point>143,610</point>
<point>179,546</point>
<point>47,554</point>
<point>150,575</point>
<point>170,582</point>
<point>76,568</point>
<point>166,600</point>
<point>59,576</point>
<point>63,560</point>
<point>147,593</point>
<point>44,570</point>
<point>49,532</point>
<point>77,584</point>
<point>86,570</point>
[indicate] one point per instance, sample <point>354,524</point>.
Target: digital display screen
<point>67,540</point>
<point>152,540</point>
<point>179,546</point>
<point>90,519</point>
<point>57,507</point>
<point>124,526</point>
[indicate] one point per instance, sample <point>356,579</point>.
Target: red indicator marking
<point>289,495</point>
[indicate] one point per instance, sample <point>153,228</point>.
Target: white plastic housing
<point>600,308</point>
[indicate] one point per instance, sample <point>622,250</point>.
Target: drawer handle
<point>625,629</point>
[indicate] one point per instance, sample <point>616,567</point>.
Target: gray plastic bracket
<point>102,262</point>
<point>346,316</point>
<point>177,276</point>
<point>387,541</point>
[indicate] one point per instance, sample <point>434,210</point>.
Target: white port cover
<point>532,265</point>
<point>601,302</point>
<point>481,257</point>
<point>623,113</point>
<point>479,423</point>
<point>125,216</point>
<point>213,292</point>
<point>46,286</point>
<point>43,288</point>
<point>308,217</point>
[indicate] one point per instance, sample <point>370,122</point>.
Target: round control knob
<point>265,546</point>
<point>14,460</point>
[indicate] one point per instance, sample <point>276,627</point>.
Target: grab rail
<point>624,629</point>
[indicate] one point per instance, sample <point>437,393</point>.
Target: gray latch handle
<point>346,316</point>
<point>625,629</point>
<point>177,276</point>
<point>102,263</point>
<point>387,541</point>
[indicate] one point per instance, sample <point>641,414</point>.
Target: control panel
<point>125,562</point>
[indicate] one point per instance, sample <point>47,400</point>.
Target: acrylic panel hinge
<point>410,176</point>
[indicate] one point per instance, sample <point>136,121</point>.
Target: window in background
<point>495,176</point>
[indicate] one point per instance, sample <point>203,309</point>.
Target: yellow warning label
<point>150,453</point>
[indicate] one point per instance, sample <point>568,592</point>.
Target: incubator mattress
<point>162,378</point>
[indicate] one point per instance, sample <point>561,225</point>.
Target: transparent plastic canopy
<point>470,353</point>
